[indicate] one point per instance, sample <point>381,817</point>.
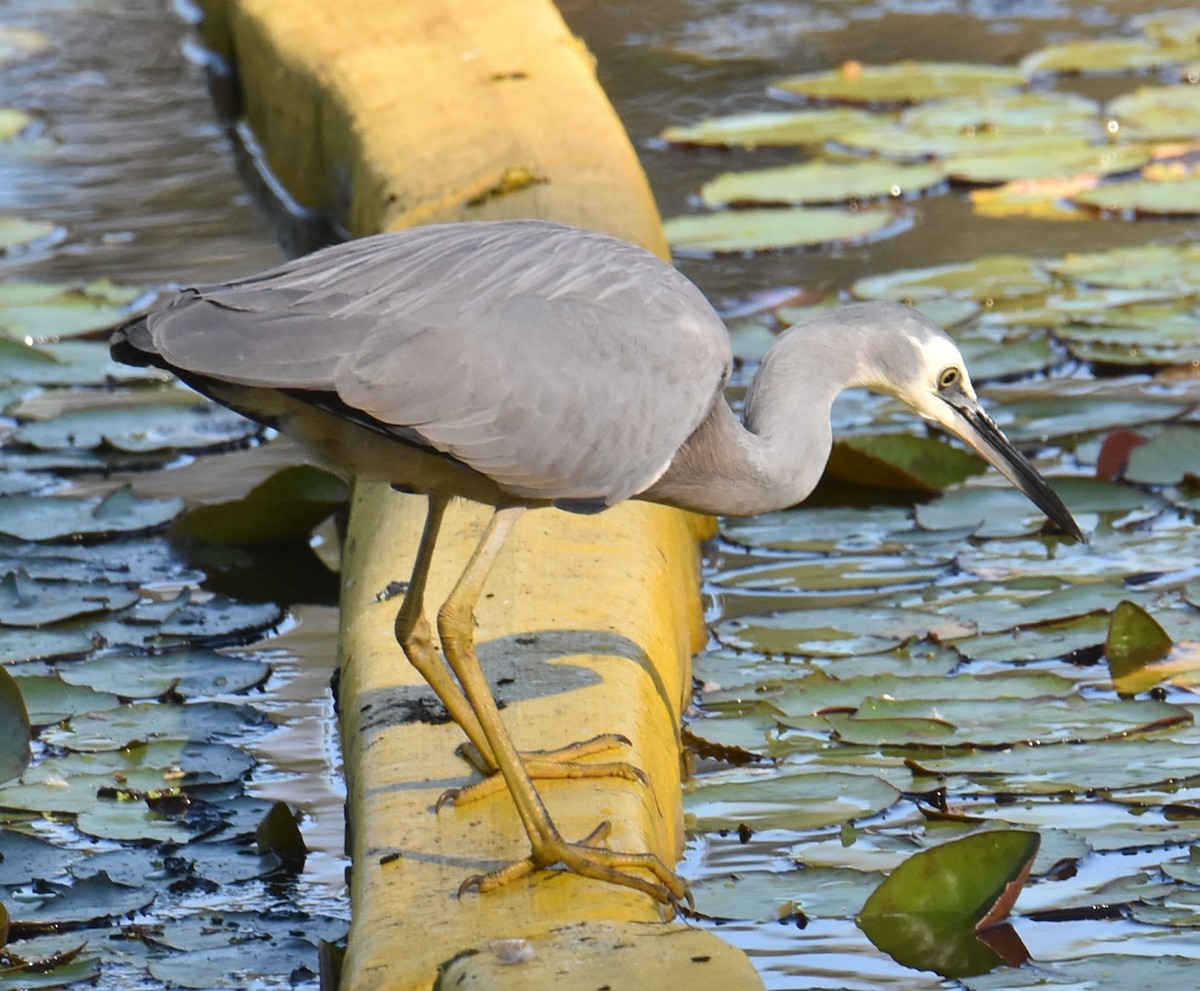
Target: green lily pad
<point>151,766</point>
<point>899,143</point>
<point>151,721</point>
<point>1167,459</point>
<point>821,182</point>
<point>928,912</point>
<point>990,360</point>
<point>1051,160</point>
<point>278,833</point>
<point>836,632</point>
<point>899,84</point>
<point>14,728</point>
<point>752,231</point>
<point>1145,197</point>
<point>1039,113</point>
<point>61,517</point>
<point>188,673</point>
<point>25,858</point>
<point>1041,643</point>
<point>130,821</point>
<point>140,428</point>
<point>991,279</point>
<point>834,573</point>
<point>1105,56</point>
<point>51,700</point>
<point>1134,641</point>
<point>1050,418</point>
<point>69,313</point>
<point>27,602</point>
<point>68,363</point>
<point>1158,113</point>
<point>769,896</point>
<point>902,462</point>
<point>772,128</point>
<point>59,970</point>
<point>284,507</point>
<point>820,529</point>
<point>92,900</point>
<point>231,966</point>
<point>1170,27</point>
<point>787,801</point>
<point>1173,267</point>
<point>881,721</point>
<point>15,232</point>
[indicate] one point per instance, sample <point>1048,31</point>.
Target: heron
<point>527,364</point>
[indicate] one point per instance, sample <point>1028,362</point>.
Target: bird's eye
<point>948,377</point>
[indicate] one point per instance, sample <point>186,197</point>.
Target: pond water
<point>975,640</point>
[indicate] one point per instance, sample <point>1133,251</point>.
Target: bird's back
<point>560,363</point>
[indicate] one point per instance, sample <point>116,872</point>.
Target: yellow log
<point>381,114</point>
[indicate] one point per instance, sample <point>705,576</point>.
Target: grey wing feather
<point>559,362</point>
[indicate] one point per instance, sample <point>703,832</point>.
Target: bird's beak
<point>965,418</point>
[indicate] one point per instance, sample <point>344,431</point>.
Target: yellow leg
<point>416,639</point>
<point>455,625</point>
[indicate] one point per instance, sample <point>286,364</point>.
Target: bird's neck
<point>774,458</point>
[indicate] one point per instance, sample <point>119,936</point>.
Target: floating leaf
<point>836,632</point>
<point>772,128</point>
<point>821,182</point>
<point>59,517</point>
<point>1141,654</point>
<point>903,83</point>
<point>902,462</point>
<point>881,721</point>
<point>14,728</point>
<point>232,966</point>
<point>15,232</point>
<point>1038,199</point>
<point>1168,459</point>
<point>749,231</point>
<point>788,801</point>
<point>284,507</point>
<point>1105,55</point>
<point>1173,198</point>
<point>997,277</point>
<point>12,123</point>
<point>51,700</point>
<point>187,673</point>
<point>85,902</point>
<point>1039,113</point>
<point>25,858</point>
<point>1052,160</point>
<point>1173,267</point>
<point>140,428</point>
<point>929,911</point>
<point>1158,113</point>
<point>780,896</point>
<point>27,602</point>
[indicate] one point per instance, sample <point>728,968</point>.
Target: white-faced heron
<point>526,364</point>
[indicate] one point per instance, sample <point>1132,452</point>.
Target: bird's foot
<point>589,860</point>
<point>559,764</point>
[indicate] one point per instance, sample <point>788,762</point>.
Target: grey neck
<point>776,457</point>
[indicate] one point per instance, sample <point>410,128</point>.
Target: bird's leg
<point>455,625</point>
<point>416,640</point>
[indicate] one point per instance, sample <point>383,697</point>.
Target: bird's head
<point>916,362</point>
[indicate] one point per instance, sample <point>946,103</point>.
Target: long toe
<point>542,769</point>
<point>653,877</point>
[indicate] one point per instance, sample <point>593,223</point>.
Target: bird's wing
<point>561,363</point>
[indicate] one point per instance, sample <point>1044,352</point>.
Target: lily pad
<point>140,428</point>
<point>787,801</point>
<point>880,721</point>
<point>902,462</point>
<point>1174,267</point>
<point>991,279</point>
<point>63,517</point>
<point>13,122</point>
<point>51,700</point>
<point>231,966</point>
<point>14,728</point>
<point>188,673</point>
<point>820,529</point>
<point>928,912</point>
<point>1039,113</point>
<point>1145,197</point>
<point>1158,113</point>
<point>15,232</point>
<point>142,721</point>
<point>1106,56</point>
<point>752,231</point>
<point>1052,160</point>
<point>92,900</point>
<point>899,84</point>
<point>836,632</point>
<point>1141,654</point>
<point>821,182</point>
<point>1168,459</point>
<point>772,128</point>
<point>776,897</point>
<point>25,858</point>
<point>27,602</point>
